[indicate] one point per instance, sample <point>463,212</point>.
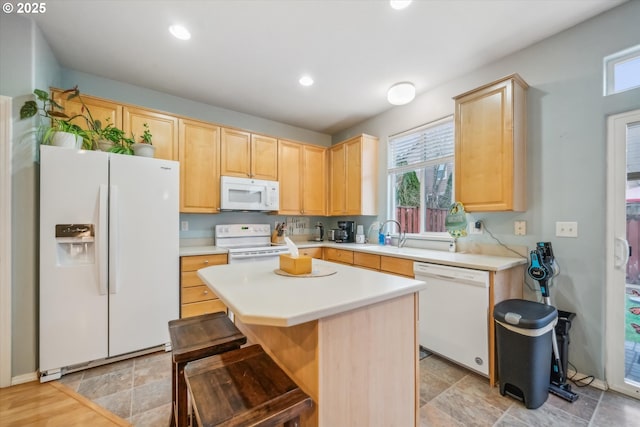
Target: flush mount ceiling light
<point>180,32</point>
<point>399,4</point>
<point>401,93</point>
<point>306,81</point>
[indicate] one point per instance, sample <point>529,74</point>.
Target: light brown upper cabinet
<point>248,155</point>
<point>163,127</point>
<point>100,109</point>
<point>353,184</point>
<point>199,148</point>
<point>303,177</point>
<point>490,146</point>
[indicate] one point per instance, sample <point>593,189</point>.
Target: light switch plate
<point>566,229</point>
<point>520,228</point>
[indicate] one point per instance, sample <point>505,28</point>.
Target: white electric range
<point>247,242</point>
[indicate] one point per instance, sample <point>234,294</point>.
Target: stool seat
<point>244,387</point>
<point>194,338</point>
<point>201,336</point>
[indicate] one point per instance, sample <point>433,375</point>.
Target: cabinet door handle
<point>205,292</point>
<point>206,261</point>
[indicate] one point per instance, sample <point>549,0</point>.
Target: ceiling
<point>247,56</point>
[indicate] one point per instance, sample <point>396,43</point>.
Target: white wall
<point>27,62</point>
<point>566,158</point>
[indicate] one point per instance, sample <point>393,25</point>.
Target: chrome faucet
<point>402,235</point>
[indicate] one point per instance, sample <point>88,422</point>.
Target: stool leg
<point>173,394</point>
<point>294,422</point>
<point>181,391</point>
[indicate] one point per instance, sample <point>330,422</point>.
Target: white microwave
<point>246,194</point>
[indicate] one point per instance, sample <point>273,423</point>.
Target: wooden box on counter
<point>295,265</point>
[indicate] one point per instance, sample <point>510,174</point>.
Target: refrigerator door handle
<point>113,239</point>
<point>103,243</point>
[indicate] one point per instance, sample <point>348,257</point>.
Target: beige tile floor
<point>139,390</point>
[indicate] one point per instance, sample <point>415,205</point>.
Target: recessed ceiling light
<point>180,32</point>
<point>399,4</point>
<point>306,81</point>
<point>401,93</point>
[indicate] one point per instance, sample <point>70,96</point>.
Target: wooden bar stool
<point>244,387</point>
<point>195,338</point>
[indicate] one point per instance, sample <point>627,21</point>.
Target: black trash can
<point>523,339</point>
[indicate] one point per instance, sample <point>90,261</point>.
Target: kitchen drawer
<point>196,293</point>
<point>338,255</point>
<point>203,307</point>
<point>312,252</point>
<point>190,278</point>
<point>362,259</point>
<point>401,266</point>
<point>196,262</point>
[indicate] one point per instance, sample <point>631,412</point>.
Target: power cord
<point>502,244</point>
<point>556,267</point>
<point>579,382</point>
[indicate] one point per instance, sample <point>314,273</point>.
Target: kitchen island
<point>348,339</point>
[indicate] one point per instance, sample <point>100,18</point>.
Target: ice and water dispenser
<point>75,244</point>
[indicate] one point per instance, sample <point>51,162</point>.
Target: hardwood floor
<point>51,405</point>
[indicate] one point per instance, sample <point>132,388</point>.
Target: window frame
<point>610,62</point>
<point>393,170</point>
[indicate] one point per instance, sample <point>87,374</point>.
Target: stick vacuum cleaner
<point>541,269</point>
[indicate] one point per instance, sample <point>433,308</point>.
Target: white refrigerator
<point>108,255</point>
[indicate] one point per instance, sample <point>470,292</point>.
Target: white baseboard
<point>24,378</point>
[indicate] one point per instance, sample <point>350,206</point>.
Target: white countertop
<point>201,250</point>
<point>259,296</point>
<point>455,259</point>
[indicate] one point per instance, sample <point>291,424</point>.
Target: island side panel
<point>295,350</point>
<point>369,365</point>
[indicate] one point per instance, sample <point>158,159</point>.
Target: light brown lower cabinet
<point>312,252</point>
<point>362,259</point>
<point>387,264</point>
<point>195,296</point>
<point>338,255</point>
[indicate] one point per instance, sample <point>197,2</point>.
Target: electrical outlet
<point>520,228</point>
<point>476,227</point>
<point>566,229</point>
<point>184,226</point>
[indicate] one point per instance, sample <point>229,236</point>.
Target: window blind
<point>422,146</point>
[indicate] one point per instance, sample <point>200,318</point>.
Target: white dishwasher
<point>454,314</point>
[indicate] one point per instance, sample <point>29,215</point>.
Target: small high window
<point>622,71</point>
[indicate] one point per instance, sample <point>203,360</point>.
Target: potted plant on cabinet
<point>108,137</point>
<point>62,132</point>
<point>144,147</point>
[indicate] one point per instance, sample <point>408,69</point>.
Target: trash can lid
<point>524,314</point>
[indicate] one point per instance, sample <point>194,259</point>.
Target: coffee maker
<point>346,232</point>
